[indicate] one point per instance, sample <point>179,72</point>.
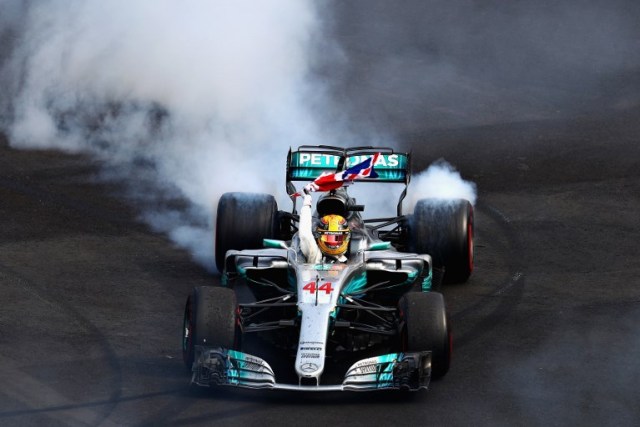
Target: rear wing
<point>308,162</point>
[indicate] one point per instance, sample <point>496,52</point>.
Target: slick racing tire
<point>243,221</point>
<point>426,328</point>
<point>444,230</point>
<point>210,320</point>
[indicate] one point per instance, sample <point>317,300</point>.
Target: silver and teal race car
<point>374,322</point>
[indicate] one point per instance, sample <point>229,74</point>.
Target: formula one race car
<point>373,322</point>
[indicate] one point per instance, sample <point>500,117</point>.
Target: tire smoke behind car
<point>440,181</point>
<point>181,101</point>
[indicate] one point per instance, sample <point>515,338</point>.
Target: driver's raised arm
<point>308,244</point>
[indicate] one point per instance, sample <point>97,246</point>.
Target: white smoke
<point>440,181</point>
<point>183,100</point>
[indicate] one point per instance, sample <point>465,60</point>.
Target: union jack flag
<point>331,181</point>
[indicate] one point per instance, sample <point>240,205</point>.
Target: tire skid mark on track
<point>52,404</point>
<point>507,292</point>
<point>72,406</point>
<point>170,412</point>
<point>110,356</point>
<point>50,194</point>
<point>219,417</point>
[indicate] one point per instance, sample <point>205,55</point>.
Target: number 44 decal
<point>311,287</point>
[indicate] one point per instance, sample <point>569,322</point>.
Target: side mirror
<point>273,243</point>
<point>379,246</point>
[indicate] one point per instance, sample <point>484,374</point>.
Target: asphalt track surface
<point>545,332</point>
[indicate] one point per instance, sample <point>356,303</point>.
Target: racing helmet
<point>333,202</point>
<point>333,235</point>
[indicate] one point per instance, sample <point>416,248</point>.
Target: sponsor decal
<point>309,367</point>
<point>385,161</point>
<point>320,160</point>
<point>249,366</point>
<point>368,369</point>
<point>310,355</point>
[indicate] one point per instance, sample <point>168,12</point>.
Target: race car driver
<point>330,240</point>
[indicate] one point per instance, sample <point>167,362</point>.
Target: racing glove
<point>307,200</point>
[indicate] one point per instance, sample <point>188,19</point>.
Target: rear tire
<point>427,328</point>
<point>209,319</point>
<point>444,230</point>
<point>243,221</point>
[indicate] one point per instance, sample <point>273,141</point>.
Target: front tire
<point>426,328</point>
<point>210,319</point>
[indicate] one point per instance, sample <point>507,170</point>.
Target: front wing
<point>222,367</point>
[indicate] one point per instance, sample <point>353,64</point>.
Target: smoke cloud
<point>440,181</point>
<point>181,100</point>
